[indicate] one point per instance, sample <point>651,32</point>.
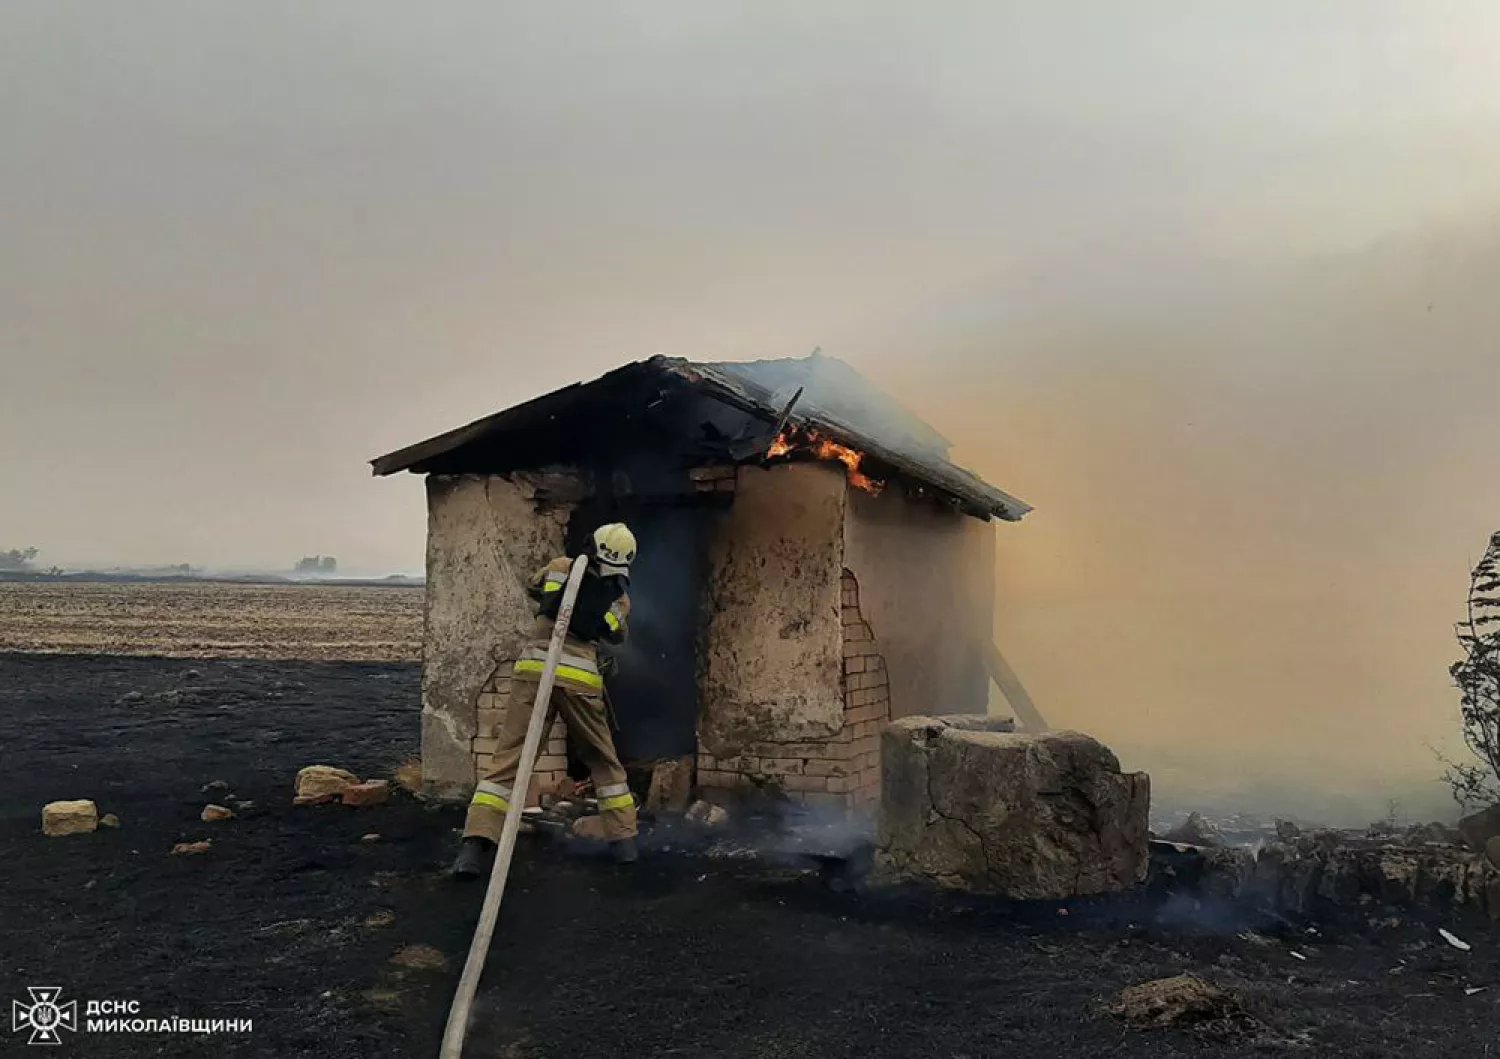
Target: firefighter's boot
<point>474,858</point>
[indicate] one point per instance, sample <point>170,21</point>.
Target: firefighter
<point>599,616</point>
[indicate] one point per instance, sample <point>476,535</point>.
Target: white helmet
<point>614,547</point>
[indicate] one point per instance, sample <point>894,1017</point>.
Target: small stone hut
<point>811,566</point>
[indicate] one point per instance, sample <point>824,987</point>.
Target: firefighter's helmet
<point>614,547</point>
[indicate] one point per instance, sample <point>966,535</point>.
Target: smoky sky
<point>1210,284</point>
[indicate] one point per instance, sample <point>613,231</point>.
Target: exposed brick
<point>820,767</point>
<point>851,616</point>
<point>852,649</point>
<point>840,784</point>
<point>487,722</point>
<point>786,766</point>
<point>740,764</point>
<point>556,746</point>
<point>720,778</point>
<point>834,803</point>
<point>854,666</point>
<point>790,749</point>
<point>805,783</point>
<point>486,746</point>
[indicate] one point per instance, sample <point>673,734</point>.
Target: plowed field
<point>213,620</point>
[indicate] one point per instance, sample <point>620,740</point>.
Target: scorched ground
<point>292,921</point>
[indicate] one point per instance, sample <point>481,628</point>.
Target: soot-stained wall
<point>772,643</point>
<point>927,589</point>
<point>486,536</point>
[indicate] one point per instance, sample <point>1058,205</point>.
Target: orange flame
<point>827,450</point>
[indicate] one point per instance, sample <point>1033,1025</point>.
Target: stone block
<point>323,779</point>
<point>78,817</point>
<point>1046,816</point>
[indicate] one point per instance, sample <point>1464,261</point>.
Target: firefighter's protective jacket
<point>600,615</point>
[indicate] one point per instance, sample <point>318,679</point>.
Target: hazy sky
<point>1212,284</point>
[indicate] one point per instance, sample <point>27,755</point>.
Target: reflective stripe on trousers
<point>491,796</point>
<point>614,796</point>
<point>582,671</point>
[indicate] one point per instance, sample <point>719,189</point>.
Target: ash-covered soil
<point>213,620</point>
<point>292,921</point>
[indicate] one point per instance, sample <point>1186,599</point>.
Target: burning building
<point>812,566</point>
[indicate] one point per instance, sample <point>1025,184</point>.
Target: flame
<point>829,451</point>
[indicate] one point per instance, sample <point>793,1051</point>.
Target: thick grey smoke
<point>1208,284</point>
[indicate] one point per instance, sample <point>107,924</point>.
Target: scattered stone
<point>1029,816</point>
<point>420,957</point>
<point>69,817</point>
<point>671,785</point>
<point>214,813</point>
<point>371,792</point>
<point>131,697</point>
<point>1477,830</point>
<point>1195,831</point>
<point>188,848</point>
<point>1433,834</point>
<point>381,917</point>
<point>109,820</point>
<point>371,837</point>
<point>192,674</point>
<point>214,787</point>
<point>707,815</point>
<point>408,776</point>
<point>323,779</point>
<point>243,804</point>
<point>1169,1002</point>
<point>314,799</point>
<point>388,1000</point>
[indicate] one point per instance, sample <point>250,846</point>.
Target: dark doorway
<point>654,688</point>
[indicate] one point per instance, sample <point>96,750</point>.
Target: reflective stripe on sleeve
<point>612,621</point>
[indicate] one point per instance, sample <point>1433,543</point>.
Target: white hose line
<point>468,983</point>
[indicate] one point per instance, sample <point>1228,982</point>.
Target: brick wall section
<point>841,773</point>
<point>713,479</point>
<point>551,764</point>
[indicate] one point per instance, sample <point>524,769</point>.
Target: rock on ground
<point>69,817</point>
<point>188,848</point>
<point>214,813</point>
<point>1316,872</point>
<point>1477,829</point>
<point>1178,1001</point>
<point>109,820</point>
<point>671,785</point>
<point>1195,831</point>
<point>707,814</point>
<point>1044,816</point>
<point>316,780</point>
<point>371,792</point>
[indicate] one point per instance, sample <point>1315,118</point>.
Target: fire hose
<point>468,982</point>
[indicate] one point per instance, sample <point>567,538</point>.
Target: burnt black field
<point>290,920</point>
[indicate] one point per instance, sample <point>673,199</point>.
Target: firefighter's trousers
<point>588,723</point>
